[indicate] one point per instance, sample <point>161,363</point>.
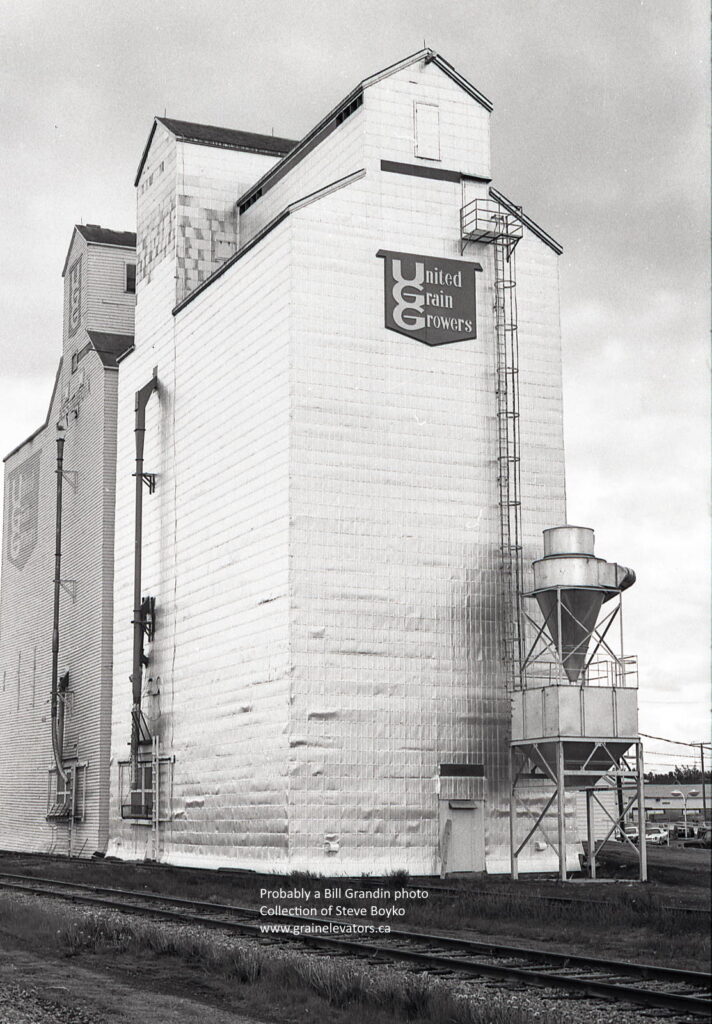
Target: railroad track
<point>677,991</point>
<point>388,881</point>
<point>522,894</point>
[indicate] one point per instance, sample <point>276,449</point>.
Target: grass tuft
<point>300,878</point>
<point>399,877</point>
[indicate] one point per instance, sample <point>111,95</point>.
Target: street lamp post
<point>678,792</point>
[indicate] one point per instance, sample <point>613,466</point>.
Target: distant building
<point>40,810</point>
<point>661,805</point>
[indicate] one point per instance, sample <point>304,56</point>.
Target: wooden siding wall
<point>215,558</point>
<point>86,620</point>
<point>110,306</point>
<point>25,644</point>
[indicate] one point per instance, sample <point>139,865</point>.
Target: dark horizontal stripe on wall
<point>420,171</point>
<point>471,771</point>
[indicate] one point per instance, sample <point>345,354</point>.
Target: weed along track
<point>665,989</point>
<point>551,899</point>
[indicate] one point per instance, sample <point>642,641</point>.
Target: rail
<point>623,981</point>
<point>608,672</point>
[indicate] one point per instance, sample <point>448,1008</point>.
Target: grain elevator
<point>338,441</point>
<point>56,621</point>
<point>323,685</point>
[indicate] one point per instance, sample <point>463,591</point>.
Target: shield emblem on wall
<point>428,298</point>
<point>23,492</point>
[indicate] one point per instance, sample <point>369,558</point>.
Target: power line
<point>672,757</point>
<point>676,753</point>
<point>681,743</point>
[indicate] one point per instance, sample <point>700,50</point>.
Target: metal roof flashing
<point>535,229</point>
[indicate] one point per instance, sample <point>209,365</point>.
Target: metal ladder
<point>509,461</point>
<point>155,797</point>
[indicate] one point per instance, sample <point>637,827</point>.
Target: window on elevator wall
<point>426,117</point>
<point>131,278</point>
<point>141,797</point>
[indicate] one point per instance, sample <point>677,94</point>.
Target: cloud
<point>599,129</point>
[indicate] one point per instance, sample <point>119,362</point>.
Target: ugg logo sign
<point>23,488</point>
<point>430,299</point>
<point>75,297</point>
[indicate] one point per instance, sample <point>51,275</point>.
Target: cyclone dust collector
<point>574,710</point>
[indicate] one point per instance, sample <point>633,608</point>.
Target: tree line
<point>680,775</point>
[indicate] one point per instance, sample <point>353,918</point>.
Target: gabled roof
<point>333,118</point>
<point>105,236</point>
<point>96,235</point>
<point>430,57</point>
<point>225,138</point>
<point>110,347</point>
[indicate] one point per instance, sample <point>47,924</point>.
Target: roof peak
<point>107,236</point>
<point>427,55</point>
<point>214,135</point>
<point>97,235</point>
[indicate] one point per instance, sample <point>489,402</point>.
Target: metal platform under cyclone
<point>575,708</point>
<point>488,222</point>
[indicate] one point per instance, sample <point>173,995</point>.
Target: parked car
<point>703,838</point>
<point>657,836</point>
<point>683,832</point>
<point>630,833</point>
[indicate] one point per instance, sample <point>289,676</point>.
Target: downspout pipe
<point>142,397</point>
<point>57,719</point>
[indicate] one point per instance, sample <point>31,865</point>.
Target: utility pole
<point>704,792</point>
<point>621,818</point>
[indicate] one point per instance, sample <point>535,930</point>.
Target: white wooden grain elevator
<point>338,441</point>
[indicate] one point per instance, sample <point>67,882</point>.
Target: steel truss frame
<point>624,774</point>
<point>543,650</point>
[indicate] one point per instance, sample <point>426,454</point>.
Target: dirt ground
<point>37,989</point>
<point>677,865</point>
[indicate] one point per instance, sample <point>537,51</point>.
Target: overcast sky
<point>599,130</point>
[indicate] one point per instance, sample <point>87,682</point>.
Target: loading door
<point>462,835</point>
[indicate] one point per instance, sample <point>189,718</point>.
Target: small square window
<point>140,796</point>
<point>131,278</point>
<point>66,798</point>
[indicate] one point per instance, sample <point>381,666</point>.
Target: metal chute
<point>571,617</point>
